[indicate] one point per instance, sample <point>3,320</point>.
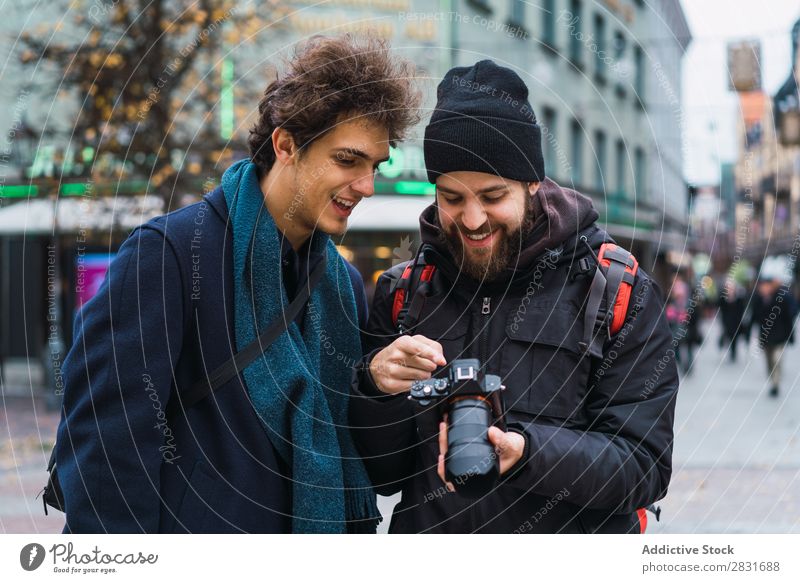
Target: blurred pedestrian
<point>678,318</point>
<point>774,309</point>
<point>732,312</point>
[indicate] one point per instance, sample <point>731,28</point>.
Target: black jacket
<point>599,431</point>
<point>732,312</point>
<point>775,317</point>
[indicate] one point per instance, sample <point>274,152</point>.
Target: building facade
<point>767,172</point>
<point>604,79</point>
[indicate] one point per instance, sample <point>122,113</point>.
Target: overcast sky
<point>711,110</point>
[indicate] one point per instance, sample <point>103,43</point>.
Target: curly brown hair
<point>330,79</point>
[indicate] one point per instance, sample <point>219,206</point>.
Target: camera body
<point>473,403</point>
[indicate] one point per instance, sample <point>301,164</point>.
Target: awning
<point>389,213</point>
<point>36,216</point>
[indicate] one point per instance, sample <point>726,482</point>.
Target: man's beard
<point>489,264</point>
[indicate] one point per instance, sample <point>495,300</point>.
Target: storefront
<point>53,258</point>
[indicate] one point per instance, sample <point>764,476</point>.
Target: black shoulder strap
<point>605,285</point>
<point>183,401</point>
<point>593,343</point>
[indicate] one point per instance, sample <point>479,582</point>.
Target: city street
<point>737,451</point>
<point>736,460</point>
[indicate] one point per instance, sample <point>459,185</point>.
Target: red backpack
<point>614,282</point>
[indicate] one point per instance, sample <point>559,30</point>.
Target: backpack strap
<point>613,281</point>
<point>621,268</point>
<point>410,292</point>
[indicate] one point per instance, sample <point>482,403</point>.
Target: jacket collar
<point>216,200</point>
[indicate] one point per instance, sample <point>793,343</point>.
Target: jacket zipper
<point>476,516</point>
<point>486,310</point>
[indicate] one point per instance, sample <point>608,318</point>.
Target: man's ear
<point>284,147</point>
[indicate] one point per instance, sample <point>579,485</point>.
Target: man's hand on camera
<point>407,359</point>
<point>509,447</point>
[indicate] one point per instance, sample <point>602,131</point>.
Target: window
<point>600,151</point>
<point>574,27</point>
<point>638,65</point>
<point>641,174</point>
<point>549,24</point>
<point>518,12</point>
<point>600,48</point>
<point>549,132</point>
<point>481,6</point>
<point>620,44</point>
<point>620,168</point>
<point>576,139</point>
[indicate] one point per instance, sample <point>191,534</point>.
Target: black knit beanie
<point>483,122</point>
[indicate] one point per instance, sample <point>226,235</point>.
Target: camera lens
<point>471,463</point>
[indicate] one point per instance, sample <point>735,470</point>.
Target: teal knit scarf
<point>300,387</point>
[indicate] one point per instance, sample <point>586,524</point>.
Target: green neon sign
<point>18,190</point>
<point>414,187</point>
<point>73,189</point>
<point>226,100</point>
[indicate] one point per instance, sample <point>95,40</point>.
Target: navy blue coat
<point>163,319</point>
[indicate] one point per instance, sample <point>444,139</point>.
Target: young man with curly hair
<point>268,450</point>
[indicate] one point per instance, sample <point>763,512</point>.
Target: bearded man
<point>588,429</point>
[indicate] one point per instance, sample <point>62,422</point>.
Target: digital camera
<point>473,403</point>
